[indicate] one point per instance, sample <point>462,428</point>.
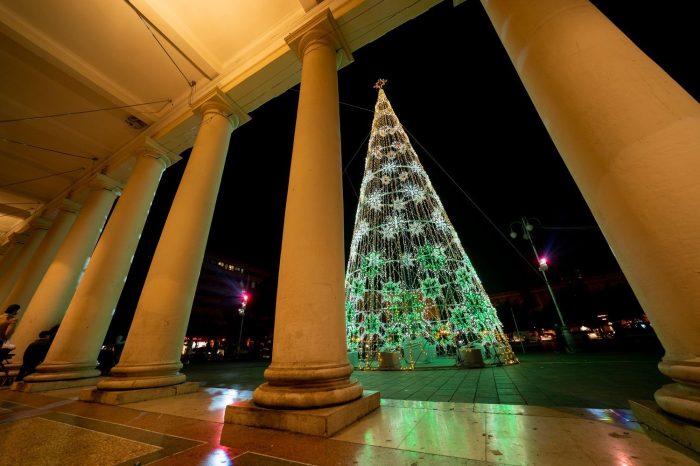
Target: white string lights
<point>408,277</point>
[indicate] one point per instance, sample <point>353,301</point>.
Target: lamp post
<point>517,331</point>
<point>241,311</point>
<point>543,267</point>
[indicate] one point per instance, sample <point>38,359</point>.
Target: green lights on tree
<point>409,281</point>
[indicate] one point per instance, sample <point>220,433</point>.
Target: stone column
<point>39,228</point>
<point>73,353</point>
<point>309,362</point>
<point>52,296</point>
<point>151,355</point>
<point>17,243</point>
<point>26,284</point>
<point>630,136</point>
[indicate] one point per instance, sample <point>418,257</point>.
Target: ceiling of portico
<point>65,62</point>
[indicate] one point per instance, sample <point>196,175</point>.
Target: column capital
<point>40,223</point>
<point>19,237</point>
<point>218,102</point>
<point>69,205</point>
<point>101,181</point>
<point>153,149</point>
<point>324,29</point>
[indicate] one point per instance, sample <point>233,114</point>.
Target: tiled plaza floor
<point>52,428</point>
<point>583,380</point>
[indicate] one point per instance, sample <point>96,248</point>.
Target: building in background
<point>597,308</point>
<point>225,288</point>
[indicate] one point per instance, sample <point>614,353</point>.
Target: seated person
<point>8,321</point>
<point>35,353</point>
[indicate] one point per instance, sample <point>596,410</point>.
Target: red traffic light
<point>245,297</point>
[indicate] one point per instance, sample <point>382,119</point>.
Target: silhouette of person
<point>36,352</point>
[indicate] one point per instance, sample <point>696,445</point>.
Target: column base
<point>654,418</point>
<point>323,422</point>
<point>118,397</point>
<point>57,372</point>
<point>307,397</point>
<point>136,377</point>
<point>683,397</point>
<point>140,383</point>
<point>679,399</point>
<point>298,386</point>
<point>33,387</point>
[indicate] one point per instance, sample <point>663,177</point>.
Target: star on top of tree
<point>380,83</point>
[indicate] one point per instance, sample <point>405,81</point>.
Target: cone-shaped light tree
<point>408,277</point>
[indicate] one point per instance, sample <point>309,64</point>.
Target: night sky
<point>456,92</point>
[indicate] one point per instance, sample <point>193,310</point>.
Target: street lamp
<point>241,311</point>
<point>517,331</point>
<point>543,267</point>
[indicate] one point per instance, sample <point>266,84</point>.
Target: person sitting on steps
<point>36,352</point>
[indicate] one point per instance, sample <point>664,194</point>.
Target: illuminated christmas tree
<point>408,278</point>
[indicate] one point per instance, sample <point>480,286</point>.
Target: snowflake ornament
<point>415,228</point>
<point>374,200</point>
<point>398,205</point>
<point>391,228</point>
<point>415,167</point>
<point>390,166</point>
<point>438,220</point>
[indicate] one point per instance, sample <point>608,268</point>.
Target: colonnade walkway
<point>551,409</point>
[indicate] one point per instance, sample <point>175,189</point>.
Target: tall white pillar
<point>74,351</point>
<point>151,355</point>
<point>52,296</point>
<point>630,135</point>
<point>309,362</point>
<point>26,284</point>
<point>39,227</point>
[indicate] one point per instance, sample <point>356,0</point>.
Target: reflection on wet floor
<point>189,429</point>
<point>585,380</point>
